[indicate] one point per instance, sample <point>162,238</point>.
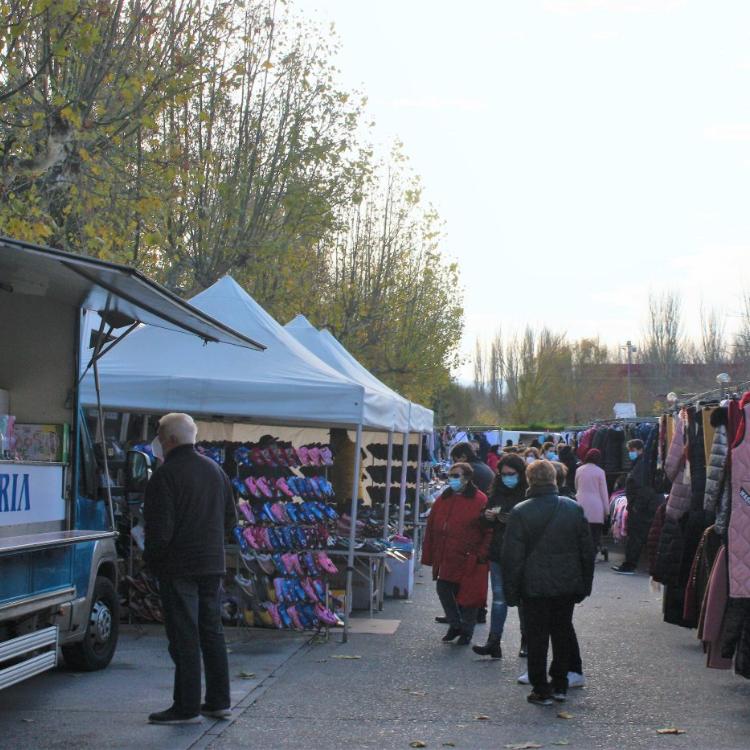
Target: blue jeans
<point>499,611</point>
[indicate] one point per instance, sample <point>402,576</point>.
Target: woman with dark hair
<point>493,457</point>
<point>508,489</point>
<point>567,457</point>
<point>592,494</point>
<point>455,545</point>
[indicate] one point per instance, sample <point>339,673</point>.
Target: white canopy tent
<point>408,417</point>
<point>153,371</point>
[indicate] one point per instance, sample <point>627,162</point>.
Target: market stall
<point>155,371</point>
<point>409,418</point>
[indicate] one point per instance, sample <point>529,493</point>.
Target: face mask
<point>632,455</point>
<point>456,484</point>
<point>156,449</point>
<point>510,480</point>
<point>530,460</point>
<point>552,456</point>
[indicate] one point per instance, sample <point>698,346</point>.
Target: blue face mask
<point>510,480</point>
<point>632,455</point>
<point>552,456</point>
<point>456,484</point>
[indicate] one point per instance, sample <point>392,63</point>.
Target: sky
<point>582,153</point>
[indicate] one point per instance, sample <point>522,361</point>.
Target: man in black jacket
<point>188,509</point>
<point>548,566</point>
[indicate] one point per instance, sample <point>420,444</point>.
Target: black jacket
<point>188,510</point>
<point>541,562</point>
<point>483,475</point>
<point>505,499</point>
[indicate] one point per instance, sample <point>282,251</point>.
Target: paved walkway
<point>643,676</point>
<point>405,688</point>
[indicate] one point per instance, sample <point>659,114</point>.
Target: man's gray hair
<point>180,427</point>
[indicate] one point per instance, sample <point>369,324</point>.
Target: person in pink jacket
<point>591,493</point>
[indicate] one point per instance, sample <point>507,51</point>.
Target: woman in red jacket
<point>456,545</point>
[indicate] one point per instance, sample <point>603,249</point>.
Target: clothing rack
<point>721,392</point>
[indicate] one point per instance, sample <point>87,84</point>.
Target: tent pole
<point>417,490</point>
<point>388,472</point>
<point>352,532</point>
<point>402,495</point>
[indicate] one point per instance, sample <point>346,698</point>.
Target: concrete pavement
<point>643,675</point>
<point>109,709</point>
<point>408,687</point>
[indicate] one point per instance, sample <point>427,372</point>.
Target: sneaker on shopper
<point>624,569</point>
<point>576,680</point>
<point>539,699</point>
<point>559,695</point>
<point>173,716</point>
<point>215,713</point>
<point>524,679</point>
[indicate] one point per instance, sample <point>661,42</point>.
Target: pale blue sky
<point>581,152</point>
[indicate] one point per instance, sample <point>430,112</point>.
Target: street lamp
<point>630,350</point>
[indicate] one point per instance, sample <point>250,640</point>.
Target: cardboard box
<point>42,442</point>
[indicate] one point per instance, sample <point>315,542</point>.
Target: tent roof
<point>407,417</point>
<point>155,371</point>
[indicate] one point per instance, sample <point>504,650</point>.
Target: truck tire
<point>98,646</point>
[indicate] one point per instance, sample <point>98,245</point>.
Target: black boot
<point>452,634</point>
<point>491,648</point>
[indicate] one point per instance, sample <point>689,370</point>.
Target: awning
<point>121,292</point>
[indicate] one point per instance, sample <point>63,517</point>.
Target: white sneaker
<point>524,679</point>
<point>576,680</point>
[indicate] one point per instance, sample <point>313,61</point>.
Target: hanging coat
<point>738,548</point>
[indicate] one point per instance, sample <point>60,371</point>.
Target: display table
<point>369,566</point>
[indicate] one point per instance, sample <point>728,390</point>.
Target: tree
<point>713,344</point>
<point>480,370</point>
<point>83,82</point>
<point>663,342</point>
<point>742,337</point>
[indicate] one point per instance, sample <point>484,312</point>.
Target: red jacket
<point>492,461</point>
<point>455,536</point>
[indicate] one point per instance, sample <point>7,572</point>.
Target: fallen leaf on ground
<point>417,743</point>
<point>344,656</point>
<point>670,730</point>
<point>524,746</point>
<point>246,675</point>
<point>565,715</point>
<point>482,717</point>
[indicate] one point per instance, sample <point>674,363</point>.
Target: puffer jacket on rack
<point>738,547</point>
<point>671,541</point>
<point>717,462</point>
<point>735,641</point>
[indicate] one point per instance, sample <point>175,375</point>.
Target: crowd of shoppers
<point>537,531</point>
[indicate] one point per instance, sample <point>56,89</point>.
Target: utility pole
<point>630,350</point>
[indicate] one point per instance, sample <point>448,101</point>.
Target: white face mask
<point>156,448</point>
<point>530,460</point>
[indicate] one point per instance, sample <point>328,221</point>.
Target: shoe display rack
<point>279,567</point>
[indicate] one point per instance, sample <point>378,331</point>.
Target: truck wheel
<point>97,648</point>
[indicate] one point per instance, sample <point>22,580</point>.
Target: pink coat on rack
<point>739,519</point>
<point>717,595</point>
<point>678,502</point>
